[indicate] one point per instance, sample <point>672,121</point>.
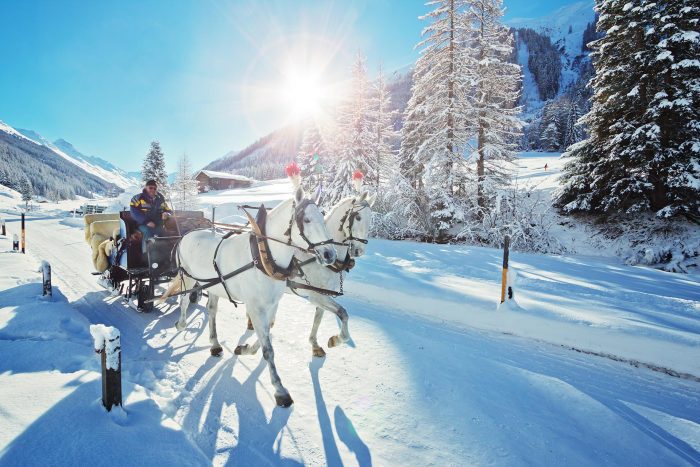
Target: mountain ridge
<point>25,154</point>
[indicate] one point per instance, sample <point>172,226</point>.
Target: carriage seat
<point>186,221</point>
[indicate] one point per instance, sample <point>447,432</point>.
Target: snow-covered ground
<point>437,374</point>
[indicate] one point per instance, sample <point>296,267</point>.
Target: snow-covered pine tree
<point>573,132</point>
<point>184,189</point>
<point>642,152</point>
<point>493,102</point>
<point>314,156</point>
<point>154,168</point>
<point>550,137</point>
<point>598,178</point>
<point>354,139</point>
<point>25,188</point>
<point>5,178</point>
<point>673,115</point>
<point>382,128</point>
<point>436,130</point>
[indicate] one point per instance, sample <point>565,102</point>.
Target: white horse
<point>297,221</point>
<point>348,222</point>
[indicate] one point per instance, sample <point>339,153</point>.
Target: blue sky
<point>200,76</point>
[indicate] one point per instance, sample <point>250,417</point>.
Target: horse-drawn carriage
<point>135,274</point>
<point>291,247</point>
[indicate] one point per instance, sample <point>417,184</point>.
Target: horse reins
<point>297,215</point>
<point>339,266</point>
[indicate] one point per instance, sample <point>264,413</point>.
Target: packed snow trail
<point>412,391</point>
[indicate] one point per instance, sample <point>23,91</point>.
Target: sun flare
<point>303,94</point>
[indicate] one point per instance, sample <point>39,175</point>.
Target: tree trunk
<point>480,172</point>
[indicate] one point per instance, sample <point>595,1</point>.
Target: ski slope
<point>437,374</point>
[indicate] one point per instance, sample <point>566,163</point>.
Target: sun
<point>303,93</point>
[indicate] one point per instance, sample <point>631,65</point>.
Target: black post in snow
<point>46,278</point>
<point>24,237</point>
<point>108,345</point>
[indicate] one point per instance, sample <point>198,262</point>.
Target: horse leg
<point>316,350</point>
<point>335,308</point>
<point>212,307</point>
<point>261,322</point>
<point>185,303</point>
<point>248,349</point>
<point>250,324</point>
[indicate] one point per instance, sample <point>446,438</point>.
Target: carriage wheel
<point>145,293</point>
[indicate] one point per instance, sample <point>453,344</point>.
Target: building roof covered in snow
<point>223,175</point>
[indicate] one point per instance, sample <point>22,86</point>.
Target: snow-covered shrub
<point>671,245</point>
<point>522,212</point>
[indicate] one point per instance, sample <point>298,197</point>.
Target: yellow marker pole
<point>504,275</point>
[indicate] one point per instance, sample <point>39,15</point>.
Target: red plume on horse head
<point>357,178</point>
<point>294,173</point>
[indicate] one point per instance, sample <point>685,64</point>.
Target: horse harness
<point>350,217</point>
<point>339,266</point>
<point>260,251</point>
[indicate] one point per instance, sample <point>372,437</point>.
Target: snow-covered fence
<point>92,209</point>
<point>108,343</point>
<point>46,278</point>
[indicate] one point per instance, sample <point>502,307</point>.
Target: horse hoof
<point>285,400</point>
<point>216,351</point>
<point>334,341</point>
<point>239,349</point>
<point>250,325</point>
<point>319,352</point>
<point>180,326</point>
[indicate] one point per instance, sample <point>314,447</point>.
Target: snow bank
<point>596,304</point>
<point>50,386</point>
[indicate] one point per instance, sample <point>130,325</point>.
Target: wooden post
<point>46,278</point>
<point>108,344</point>
<point>24,238</point>
<point>213,218</point>
<point>504,275</point>
<point>2,225</point>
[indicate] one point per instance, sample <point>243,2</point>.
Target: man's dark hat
<point>151,182</point>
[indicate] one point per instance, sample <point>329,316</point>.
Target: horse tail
<point>174,287</point>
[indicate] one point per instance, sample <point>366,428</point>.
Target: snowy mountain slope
<point>51,173</point>
<point>265,158</point>
<point>565,28</point>
<point>98,166</point>
<point>90,164</point>
<point>530,97</point>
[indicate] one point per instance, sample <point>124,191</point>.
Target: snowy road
<point>411,391</point>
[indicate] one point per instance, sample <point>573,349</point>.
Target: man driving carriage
<point>149,211</point>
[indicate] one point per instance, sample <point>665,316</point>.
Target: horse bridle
<point>349,217</point>
<point>299,210</point>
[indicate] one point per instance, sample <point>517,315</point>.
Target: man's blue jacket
<point>145,209</point>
